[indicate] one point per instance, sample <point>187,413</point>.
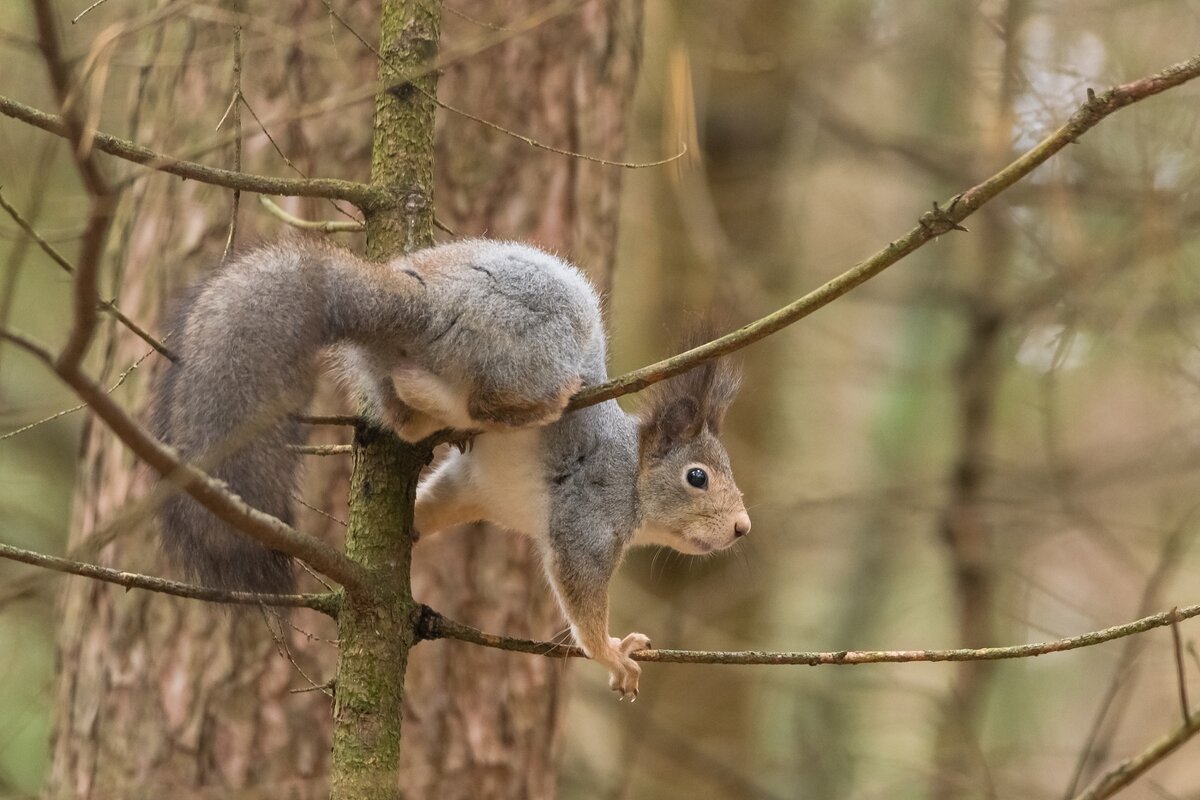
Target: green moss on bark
<point>376,628</point>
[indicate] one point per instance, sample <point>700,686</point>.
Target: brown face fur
<point>685,484</point>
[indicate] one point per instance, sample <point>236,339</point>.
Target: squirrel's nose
<point>741,525</point>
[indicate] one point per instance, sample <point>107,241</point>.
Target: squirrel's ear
<point>721,387</point>
<point>678,409</point>
<point>668,422</point>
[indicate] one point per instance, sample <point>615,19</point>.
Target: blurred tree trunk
<point>161,696</point>
<point>960,761</point>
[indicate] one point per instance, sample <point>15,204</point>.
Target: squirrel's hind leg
<point>432,402</point>
<point>505,407</point>
<point>445,498</point>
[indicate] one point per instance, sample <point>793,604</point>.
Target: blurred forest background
<point>995,442</point>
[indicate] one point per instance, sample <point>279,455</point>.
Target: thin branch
<point>489,25</point>
<point>120,380</point>
<point>931,225</point>
<point>279,151</point>
<point>360,194</point>
<point>103,199</point>
<point>325,603</point>
<point>1180,673</point>
<point>334,103</point>
<point>324,226</point>
<point>683,148</point>
<point>208,491</point>
<point>107,306</point>
<point>20,249</point>
<point>328,419</point>
<point>322,449</point>
<point>405,87</point>
<point>1132,768</point>
<point>324,514</point>
<point>79,16</point>
<point>433,625</point>
<point>1113,703</point>
<point>235,107</point>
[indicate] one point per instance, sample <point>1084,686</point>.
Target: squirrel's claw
<point>623,671</point>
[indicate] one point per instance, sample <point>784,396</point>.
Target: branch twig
<point>103,198</point>
<point>324,226</point>
<point>433,625</point>
<point>360,194</point>
<point>1134,767</point>
<point>107,306</point>
<point>322,449</point>
<point>325,603</point>
<point>208,491</point>
<point>1180,673</point>
<point>931,225</point>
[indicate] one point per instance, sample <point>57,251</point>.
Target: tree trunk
<point>164,696</point>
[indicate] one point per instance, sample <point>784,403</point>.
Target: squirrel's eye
<point>697,477</point>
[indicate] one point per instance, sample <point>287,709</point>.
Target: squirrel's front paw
<point>623,671</point>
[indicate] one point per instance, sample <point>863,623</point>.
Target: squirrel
<point>479,336</point>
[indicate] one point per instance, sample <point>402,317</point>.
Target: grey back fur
<point>511,324</point>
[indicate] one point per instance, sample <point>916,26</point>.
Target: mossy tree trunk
<point>376,631</point>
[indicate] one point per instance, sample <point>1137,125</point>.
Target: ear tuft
<point>677,409</point>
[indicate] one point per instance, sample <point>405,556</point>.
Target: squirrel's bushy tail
<point>246,341</point>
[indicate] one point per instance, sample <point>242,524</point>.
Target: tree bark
<point>158,695</point>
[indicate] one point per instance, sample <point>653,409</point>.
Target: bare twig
<point>433,625</point>
<point>322,449</point>
<point>281,646</point>
<point>324,514</point>
<point>103,204</point>
<point>1113,703</point>
<point>208,491</point>
<point>488,123</point>
<point>235,109</point>
<point>324,226</point>
<point>325,603</point>
<point>79,16</point>
<point>1180,673</point>
<point>329,419</point>
<point>932,224</point>
<point>683,148</point>
<point>120,380</point>
<point>16,256</point>
<point>360,194</point>
<point>1135,766</point>
<point>107,306</point>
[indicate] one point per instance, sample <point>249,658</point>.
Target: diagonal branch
<point>433,625</point>
<point>103,198</point>
<point>359,194</point>
<point>108,306</point>
<point>208,491</point>
<point>931,225</point>
<point>325,603</point>
<point>1132,768</point>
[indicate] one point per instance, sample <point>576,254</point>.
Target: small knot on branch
<point>940,220</point>
<point>427,623</point>
<point>403,91</point>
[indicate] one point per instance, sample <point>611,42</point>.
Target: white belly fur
<point>506,473</point>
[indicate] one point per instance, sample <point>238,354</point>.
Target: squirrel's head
<point>689,500</point>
